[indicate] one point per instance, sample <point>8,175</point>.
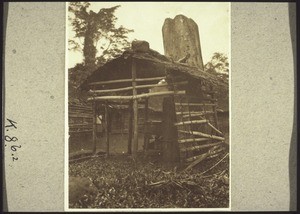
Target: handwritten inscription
<point>11,140</point>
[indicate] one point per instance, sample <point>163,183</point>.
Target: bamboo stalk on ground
<point>203,135</point>
<point>214,128</point>
<point>214,165</point>
<point>200,158</point>
<point>200,147</point>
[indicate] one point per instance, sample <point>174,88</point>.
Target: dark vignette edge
<point>293,145</point>
<point>4,10</point>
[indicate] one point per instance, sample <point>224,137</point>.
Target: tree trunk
<point>89,49</point>
<point>180,38</point>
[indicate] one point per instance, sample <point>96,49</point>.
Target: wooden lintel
<point>126,80</point>
<point>135,97</point>
<point>108,91</point>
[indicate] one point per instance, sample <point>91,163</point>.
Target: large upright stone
<point>181,40</point>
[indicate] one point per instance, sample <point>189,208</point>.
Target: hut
<point>150,97</point>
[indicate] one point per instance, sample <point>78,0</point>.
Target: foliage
<point>218,65</point>
<point>122,182</point>
<point>77,75</point>
<point>102,39</point>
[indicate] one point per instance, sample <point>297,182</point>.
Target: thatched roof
<point>150,63</point>
<point>156,63</point>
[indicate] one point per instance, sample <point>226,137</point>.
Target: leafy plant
<point>101,38</point>
<point>97,37</point>
<point>218,65</point>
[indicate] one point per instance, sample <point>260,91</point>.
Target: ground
<point>120,181</point>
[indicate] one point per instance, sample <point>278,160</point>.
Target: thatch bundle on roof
<point>150,63</point>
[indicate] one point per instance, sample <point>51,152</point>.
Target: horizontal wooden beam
<point>76,125</point>
<point>80,131</point>
<point>192,148</point>
<point>80,110</point>
<point>203,135</point>
<point>139,96</point>
<point>190,122</point>
<point>193,140</point>
<point>195,104</point>
<point>80,116</point>
<point>107,91</point>
<point>79,106</point>
<point>194,113</point>
<point>126,80</point>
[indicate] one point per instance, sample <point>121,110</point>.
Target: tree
<point>218,65</point>
<point>97,37</point>
<point>99,32</point>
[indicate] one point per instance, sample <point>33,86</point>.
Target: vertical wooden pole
<point>215,108</point>
<point>170,134</point>
<point>135,109</point>
<point>129,150</point>
<point>106,128</point>
<point>170,146</point>
<point>146,137</point>
<point>94,127</point>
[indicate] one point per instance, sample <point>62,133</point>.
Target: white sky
<point>147,18</point>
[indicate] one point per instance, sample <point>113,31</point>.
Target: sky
<point>147,18</point>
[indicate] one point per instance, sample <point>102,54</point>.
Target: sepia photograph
<point>148,105</point>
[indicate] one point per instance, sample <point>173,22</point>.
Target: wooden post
<point>146,137</point>
<point>215,108</point>
<point>135,109</point>
<point>106,128</point>
<point>170,134</point>
<point>94,128</point>
<point>129,150</point>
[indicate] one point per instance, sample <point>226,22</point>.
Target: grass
<point>121,182</point>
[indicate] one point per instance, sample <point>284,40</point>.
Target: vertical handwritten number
<point>13,148</point>
<point>9,139</point>
<point>12,123</point>
<point>12,139</point>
